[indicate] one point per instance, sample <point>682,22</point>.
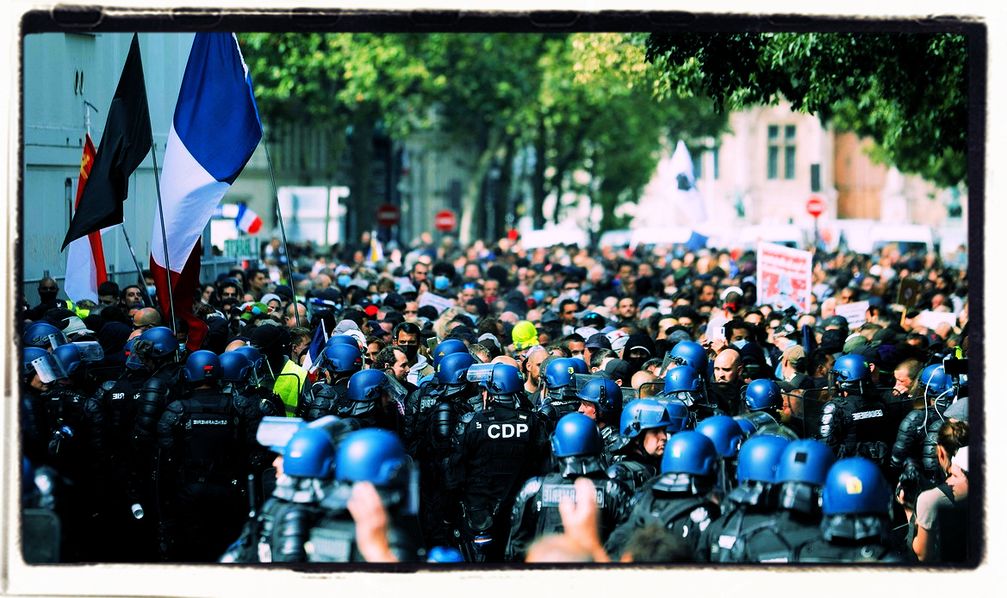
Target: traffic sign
<point>445,221</point>
<point>815,206</point>
<point>388,214</point>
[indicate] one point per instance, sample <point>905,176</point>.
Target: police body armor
<point>766,424</point>
<point>557,404</point>
<point>852,426</point>
<point>684,515</point>
<point>822,551</point>
<point>161,388</point>
<point>726,540</point>
<point>63,408</point>
<point>322,399</point>
<point>774,537</point>
<point>536,507</point>
<point>610,441</point>
<point>500,448</point>
<point>631,472</point>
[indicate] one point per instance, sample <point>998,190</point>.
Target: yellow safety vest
<point>289,384</point>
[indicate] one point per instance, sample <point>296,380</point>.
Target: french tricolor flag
<point>247,220</point>
<point>214,131</point>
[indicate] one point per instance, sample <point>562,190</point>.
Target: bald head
<point>146,317</point>
<point>506,360</point>
<point>642,377</point>
<point>727,366</point>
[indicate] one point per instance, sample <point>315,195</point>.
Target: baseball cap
<point>598,341</point>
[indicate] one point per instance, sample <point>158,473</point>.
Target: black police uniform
<point>436,438</point>
<point>914,451</point>
<point>854,425</point>
<point>633,467</point>
<point>203,470</point>
<point>536,507</point>
<point>556,404</point>
<point>774,537</point>
<point>321,399</point>
<point>746,509</point>
<point>727,397</point>
<point>418,403</point>
<point>685,515</point>
<point>500,447</point>
<point>610,441</point>
<point>874,551</point>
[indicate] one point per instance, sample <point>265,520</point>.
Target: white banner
<point>783,277</point>
<point>855,313</point>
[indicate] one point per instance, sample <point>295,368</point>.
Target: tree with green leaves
<point>906,91</point>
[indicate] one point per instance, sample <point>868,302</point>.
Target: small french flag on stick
<point>247,220</point>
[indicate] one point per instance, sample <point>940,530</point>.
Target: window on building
<point>781,146</point>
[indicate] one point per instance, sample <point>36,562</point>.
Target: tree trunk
<point>538,178</point>
<point>361,213</point>
<point>473,189</point>
<point>503,192</point>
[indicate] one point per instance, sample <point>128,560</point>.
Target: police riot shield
<point>40,536</point>
<point>275,432</point>
<point>396,391</point>
<point>802,409</point>
<point>56,340</point>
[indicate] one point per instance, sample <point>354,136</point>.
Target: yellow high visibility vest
<point>289,384</point>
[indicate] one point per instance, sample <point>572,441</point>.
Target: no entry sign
<point>445,221</point>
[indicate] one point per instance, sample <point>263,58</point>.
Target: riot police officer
<point>43,335</point>
<point>375,400</point>
<point>681,498</point>
<point>34,427</point>
<point>857,512</point>
<point>204,464</point>
<point>328,396</point>
<point>560,396</point>
<point>685,384</point>
<point>280,530</point>
<point>376,456</point>
<point>601,400</point>
<point>800,475</point>
<point>914,456</point>
<point>249,382</point>
<point>499,448</point>
<point>750,505</point>
<point>726,435</point>
<point>577,448</point>
<point>643,432</point>
<point>764,401</point>
<point>692,354</point>
<point>423,398</point>
<point>436,433</point>
<point>852,423</point>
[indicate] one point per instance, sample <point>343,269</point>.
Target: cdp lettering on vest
<point>506,430</point>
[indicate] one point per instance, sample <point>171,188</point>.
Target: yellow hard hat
<point>524,335</point>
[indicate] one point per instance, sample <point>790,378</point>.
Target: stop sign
<point>445,221</point>
<point>815,206</point>
<point>388,215</point>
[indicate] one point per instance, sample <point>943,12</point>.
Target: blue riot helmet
<point>202,366</point>
<point>678,414</point>
<point>28,355</point>
<point>69,357</point>
<point>684,383</point>
<point>133,361</point>
<point>725,433</point>
<point>689,464</point>
<point>503,382</point>
<point>448,347</point>
<point>158,343</point>
<point>341,339</point>
<point>850,374</point>
<point>235,367</point>
<point>576,435</point>
<point>364,390</point>
<point>747,427</point>
<point>801,474</point>
<point>763,395</point>
<point>445,554</point>
<point>692,354</point>
<point>938,387</point>
<point>43,335</point>
<point>559,372</point>
<point>759,458</point>
<point>377,456</point>
<point>606,396</point>
<point>342,359</point>
<point>639,415</point>
<point>453,368</point>
<point>255,360</point>
<point>856,500</point>
<point>310,453</point>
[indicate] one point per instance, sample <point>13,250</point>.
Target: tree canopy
<point>906,91</point>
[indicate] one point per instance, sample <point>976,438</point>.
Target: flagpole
<point>283,233</point>
<point>139,272</point>
<point>164,237</point>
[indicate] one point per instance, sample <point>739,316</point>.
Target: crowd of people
<point>488,404</point>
